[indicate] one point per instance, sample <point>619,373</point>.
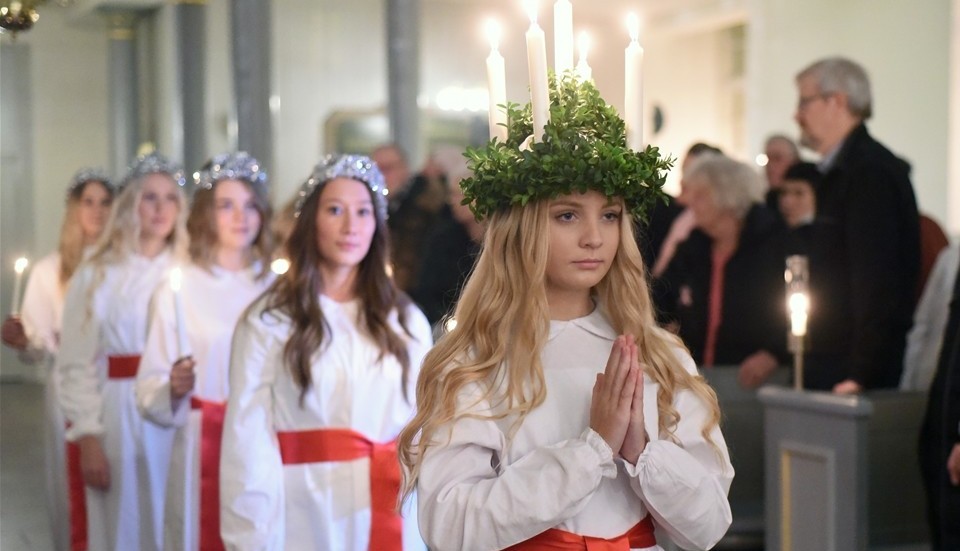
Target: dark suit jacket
<point>753,314</point>
<point>864,265</point>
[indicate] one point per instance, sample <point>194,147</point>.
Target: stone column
<point>250,25</point>
<point>191,33</point>
<point>403,74</point>
<point>124,99</point>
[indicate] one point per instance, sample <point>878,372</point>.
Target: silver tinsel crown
<point>154,163</point>
<point>233,166</point>
<point>85,175</point>
<point>355,167</point>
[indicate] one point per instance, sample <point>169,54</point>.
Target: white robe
<point>476,492</point>
<point>103,318</point>
<point>313,506</point>
<point>212,303</point>
<point>41,314</point>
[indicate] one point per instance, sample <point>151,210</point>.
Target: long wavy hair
<point>121,236</point>
<point>502,326</point>
<point>202,228</point>
<point>296,295</point>
<point>71,232</point>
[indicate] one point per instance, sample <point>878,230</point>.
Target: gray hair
<point>736,186</point>
<point>841,75</point>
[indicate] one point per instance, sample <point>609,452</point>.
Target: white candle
<point>537,66</point>
<point>798,304</point>
<point>562,37</point>
<point>176,280</point>
<point>497,83</point>
<point>633,93</point>
<point>18,266</point>
<point>583,68</point>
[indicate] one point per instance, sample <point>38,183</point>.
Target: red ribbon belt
<point>640,536</point>
<point>123,367</point>
<point>211,429</point>
<point>77,497</point>
<point>323,445</point>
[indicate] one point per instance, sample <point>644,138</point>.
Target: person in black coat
<point>940,438</point>
<point>865,243</point>
<point>724,288</point>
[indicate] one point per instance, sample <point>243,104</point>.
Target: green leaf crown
<point>584,147</point>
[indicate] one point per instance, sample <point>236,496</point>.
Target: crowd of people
<point>198,400</point>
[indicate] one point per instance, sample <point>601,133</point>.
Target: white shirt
<point>478,492</point>
<point>314,506</point>
<point>42,311</point>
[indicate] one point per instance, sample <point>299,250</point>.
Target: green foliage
<point>584,148</point>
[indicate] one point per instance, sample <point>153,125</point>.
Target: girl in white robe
<point>35,333</point>
<point>123,460</point>
<point>187,389</point>
<point>556,414</point>
<point>321,381</point>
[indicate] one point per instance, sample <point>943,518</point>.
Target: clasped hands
<point>616,410</point>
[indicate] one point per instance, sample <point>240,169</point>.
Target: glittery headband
<point>232,166</point>
<point>85,175</point>
<point>154,163</point>
<point>355,167</point>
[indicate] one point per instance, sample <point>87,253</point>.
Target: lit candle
<point>18,266</point>
<point>176,280</point>
<point>633,93</point>
<point>280,266</point>
<point>497,83</point>
<point>799,305</point>
<point>537,66</point>
<point>583,68</point>
<point>562,37</point>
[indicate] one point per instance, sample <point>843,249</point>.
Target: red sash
<point>211,429</point>
<point>123,366</point>
<point>641,535</point>
<point>77,499</point>
<point>323,445</point>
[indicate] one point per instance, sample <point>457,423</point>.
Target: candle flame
<point>493,33</point>
<point>450,325</point>
<point>176,279</point>
<point>798,303</point>
<point>20,265</point>
<point>531,7</point>
<point>280,266</point>
<point>583,45</point>
<point>633,27</point>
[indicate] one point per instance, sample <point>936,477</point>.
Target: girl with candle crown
<point>35,333</point>
<point>123,460</point>
<point>321,382</point>
<point>557,411</point>
<point>230,255</point>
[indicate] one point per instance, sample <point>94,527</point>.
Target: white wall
<point>903,45</point>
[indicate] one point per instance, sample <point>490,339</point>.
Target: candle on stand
<point>562,37</point>
<point>497,84</point>
<point>18,266</point>
<point>176,281</point>
<point>537,67</point>
<point>633,93</point>
<point>583,68</point>
<point>796,275</point>
<point>799,304</point>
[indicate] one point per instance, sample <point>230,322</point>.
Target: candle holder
<point>796,276</point>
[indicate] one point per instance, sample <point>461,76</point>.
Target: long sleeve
<point>468,500</point>
<point>685,485</point>
<point>80,385</point>
<point>930,318</point>
<point>40,312</point>
<point>159,355</point>
<point>251,472</point>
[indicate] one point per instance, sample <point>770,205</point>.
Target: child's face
<point>797,202</point>
<point>346,223</point>
<point>584,238</point>
<point>237,218</point>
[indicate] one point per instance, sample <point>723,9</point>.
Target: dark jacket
<point>753,314</point>
<point>864,264</point>
<point>448,258</point>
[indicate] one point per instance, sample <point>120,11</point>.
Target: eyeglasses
<point>806,100</point>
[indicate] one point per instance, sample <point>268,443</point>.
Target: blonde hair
<point>202,228</point>
<point>71,232</point>
<point>121,236</point>
<point>503,320</point>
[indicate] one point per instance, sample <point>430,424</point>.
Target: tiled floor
<point>23,516</point>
